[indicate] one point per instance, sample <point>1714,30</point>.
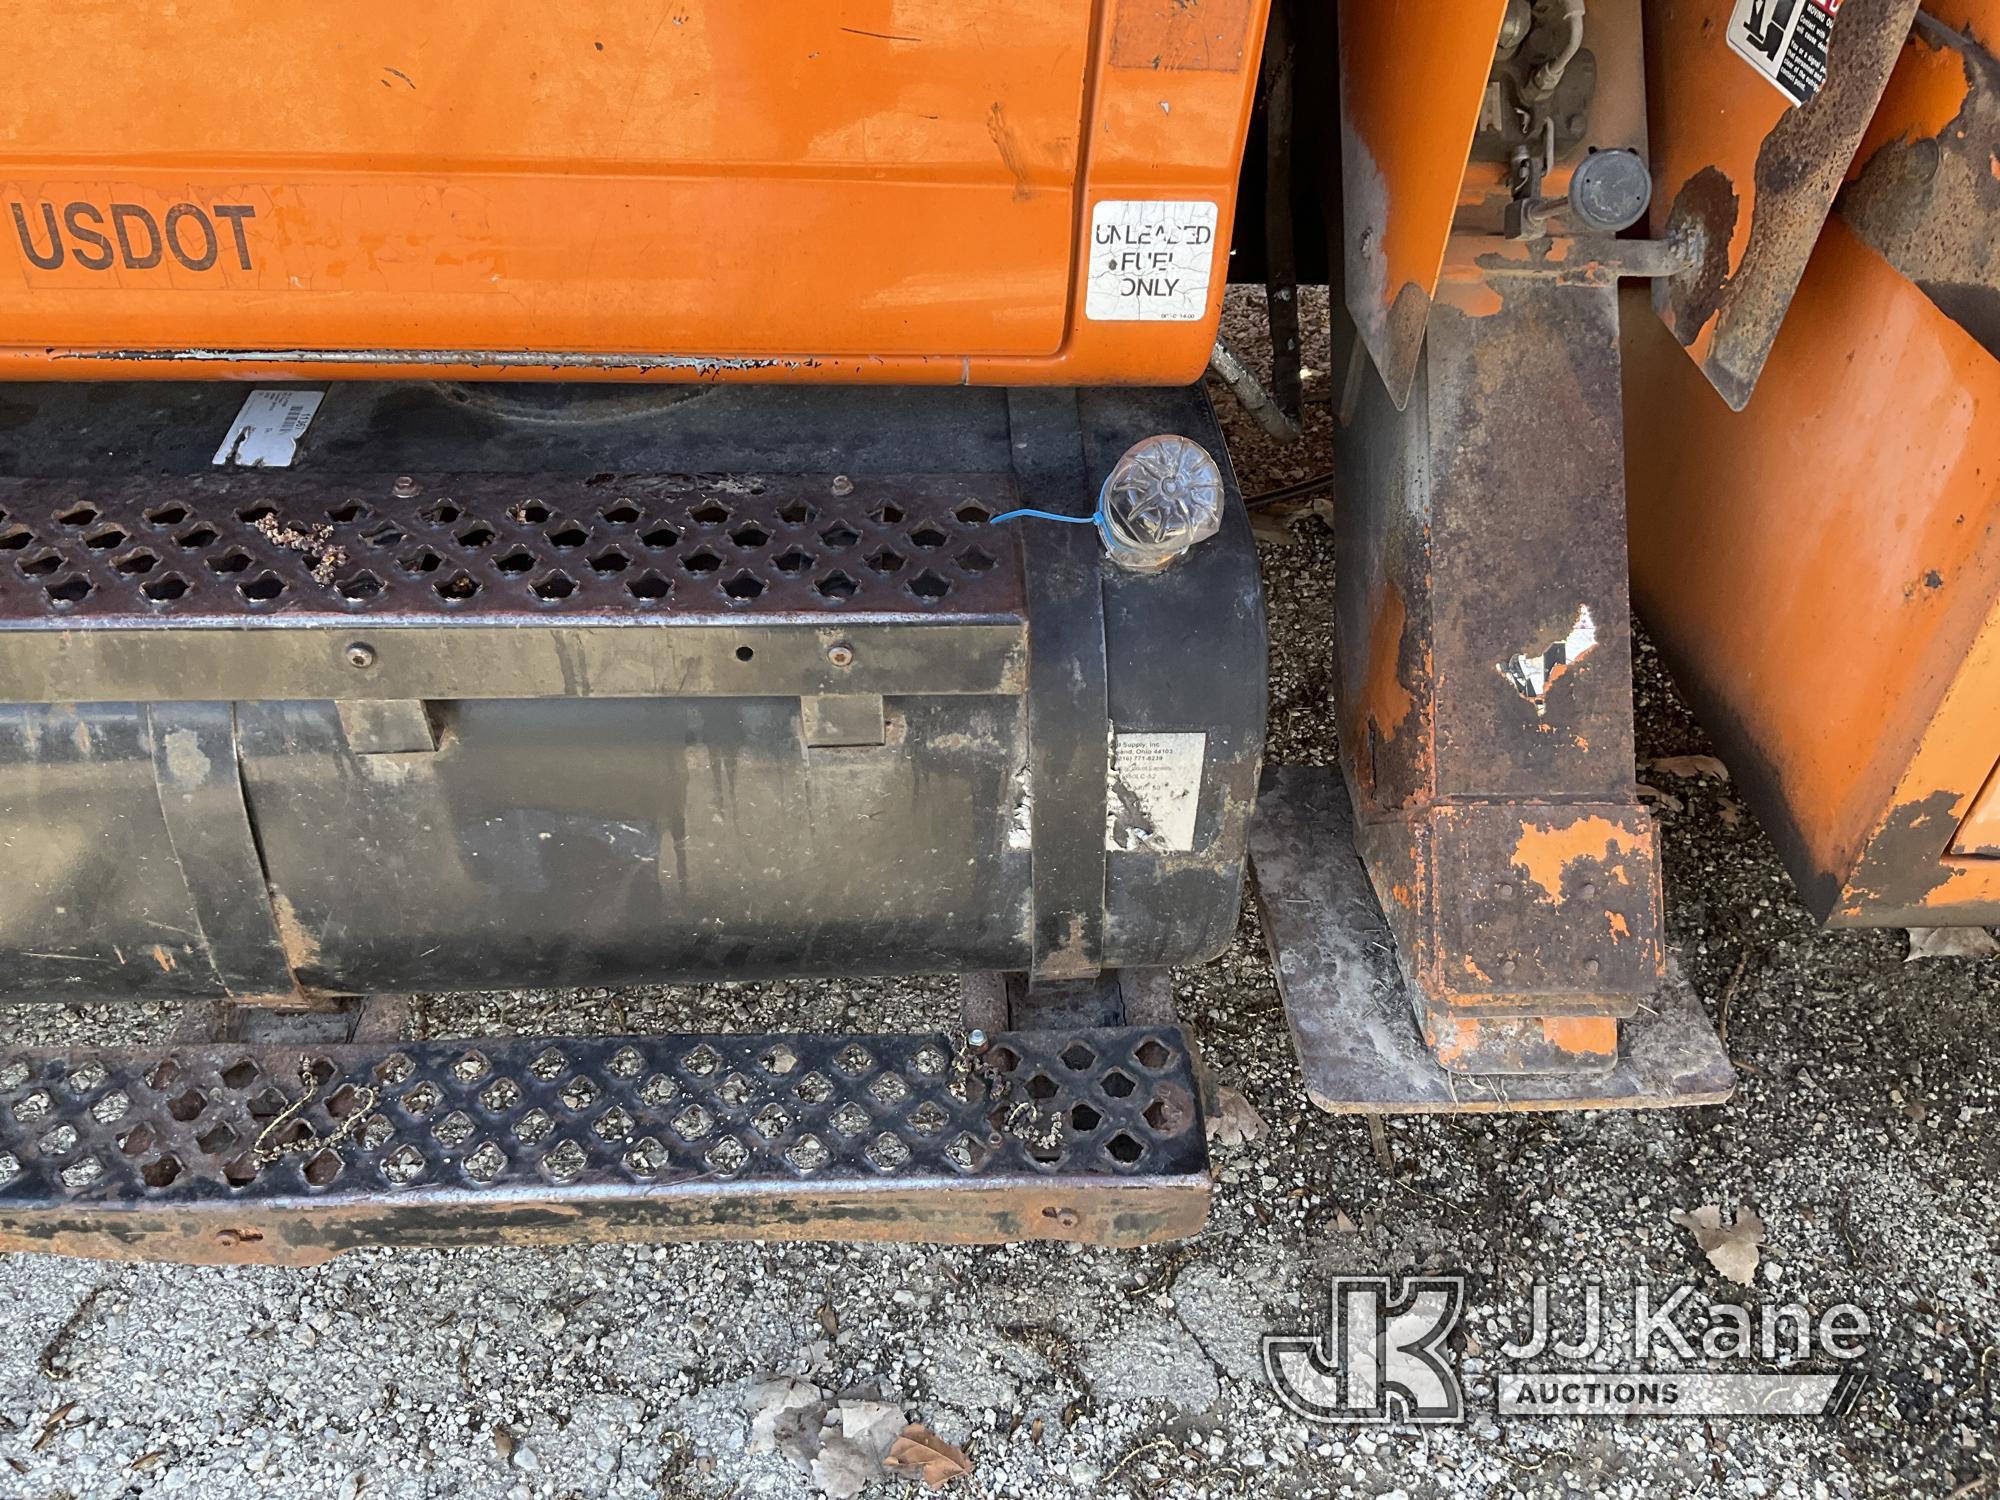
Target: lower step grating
<point>289,1154</point>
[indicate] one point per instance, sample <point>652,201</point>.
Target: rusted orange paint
<point>1389,701</point>
<point>1412,76</point>
<point>1770,554</point>
<point>1927,88</point>
<point>1458,1042</point>
<point>1454,1043</point>
<point>1620,928</point>
<point>1472,294</point>
<point>1711,119</point>
<point>1584,1035</point>
<point>163,956</point>
<point>1720,111</point>
<point>1546,850</point>
<point>823,190</point>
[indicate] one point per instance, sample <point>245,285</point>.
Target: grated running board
<point>151,1154</point>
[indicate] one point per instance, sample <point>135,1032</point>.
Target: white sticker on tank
<point>1150,261</point>
<point>266,432</point>
<point>1155,791</point>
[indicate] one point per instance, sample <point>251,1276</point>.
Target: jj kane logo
<point>1383,1356</point>
<point>1386,1355</point>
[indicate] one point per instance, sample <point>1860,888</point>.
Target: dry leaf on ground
<point>1951,942</point>
<point>1666,800</point>
<point>1235,1120</point>
<point>1730,812</point>
<point>1691,765</point>
<point>930,1457</point>
<point>1274,522</point>
<point>842,1470</point>
<point>1731,1248</point>
<point>872,1426</point>
<point>785,1417</point>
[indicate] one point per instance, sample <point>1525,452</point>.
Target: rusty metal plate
<point>1743,179</point>
<point>1352,1013</point>
<point>1542,902</point>
<point>224,1153</point>
<point>1412,78</point>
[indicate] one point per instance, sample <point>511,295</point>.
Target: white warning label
<point>266,432</point>
<point>1150,262</point>
<point>1786,41</point>
<point>1155,790</point>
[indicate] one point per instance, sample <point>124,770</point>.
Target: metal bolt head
<point>405,487</point>
<point>840,654</point>
<point>1591,966</point>
<point>361,654</point>
<point>1069,1218</point>
<point>1506,888</point>
<point>975,1039</point>
<point>1507,966</point>
<point>842,485</point>
<point>1589,892</point>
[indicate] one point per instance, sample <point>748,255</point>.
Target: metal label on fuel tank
<point>1155,791</point>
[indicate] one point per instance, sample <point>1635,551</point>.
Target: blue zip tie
<point>1046,515</point>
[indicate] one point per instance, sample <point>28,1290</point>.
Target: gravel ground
<point>1863,1133</point>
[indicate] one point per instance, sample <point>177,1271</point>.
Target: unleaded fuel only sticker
<point>1150,261</point>
<point>1786,41</point>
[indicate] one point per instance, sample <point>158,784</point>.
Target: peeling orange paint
<point>163,956</point>
<point>1472,295</point>
<point>1545,852</point>
<point>1452,1042</point>
<point>1389,702</point>
<point>1619,926</point>
<point>1588,1035</point>
<point>1457,1042</point>
<point>1924,95</point>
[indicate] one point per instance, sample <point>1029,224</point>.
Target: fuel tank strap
<point>1068,750</point>
<point>201,800</point>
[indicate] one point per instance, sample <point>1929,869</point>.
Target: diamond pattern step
<point>293,1154</point>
